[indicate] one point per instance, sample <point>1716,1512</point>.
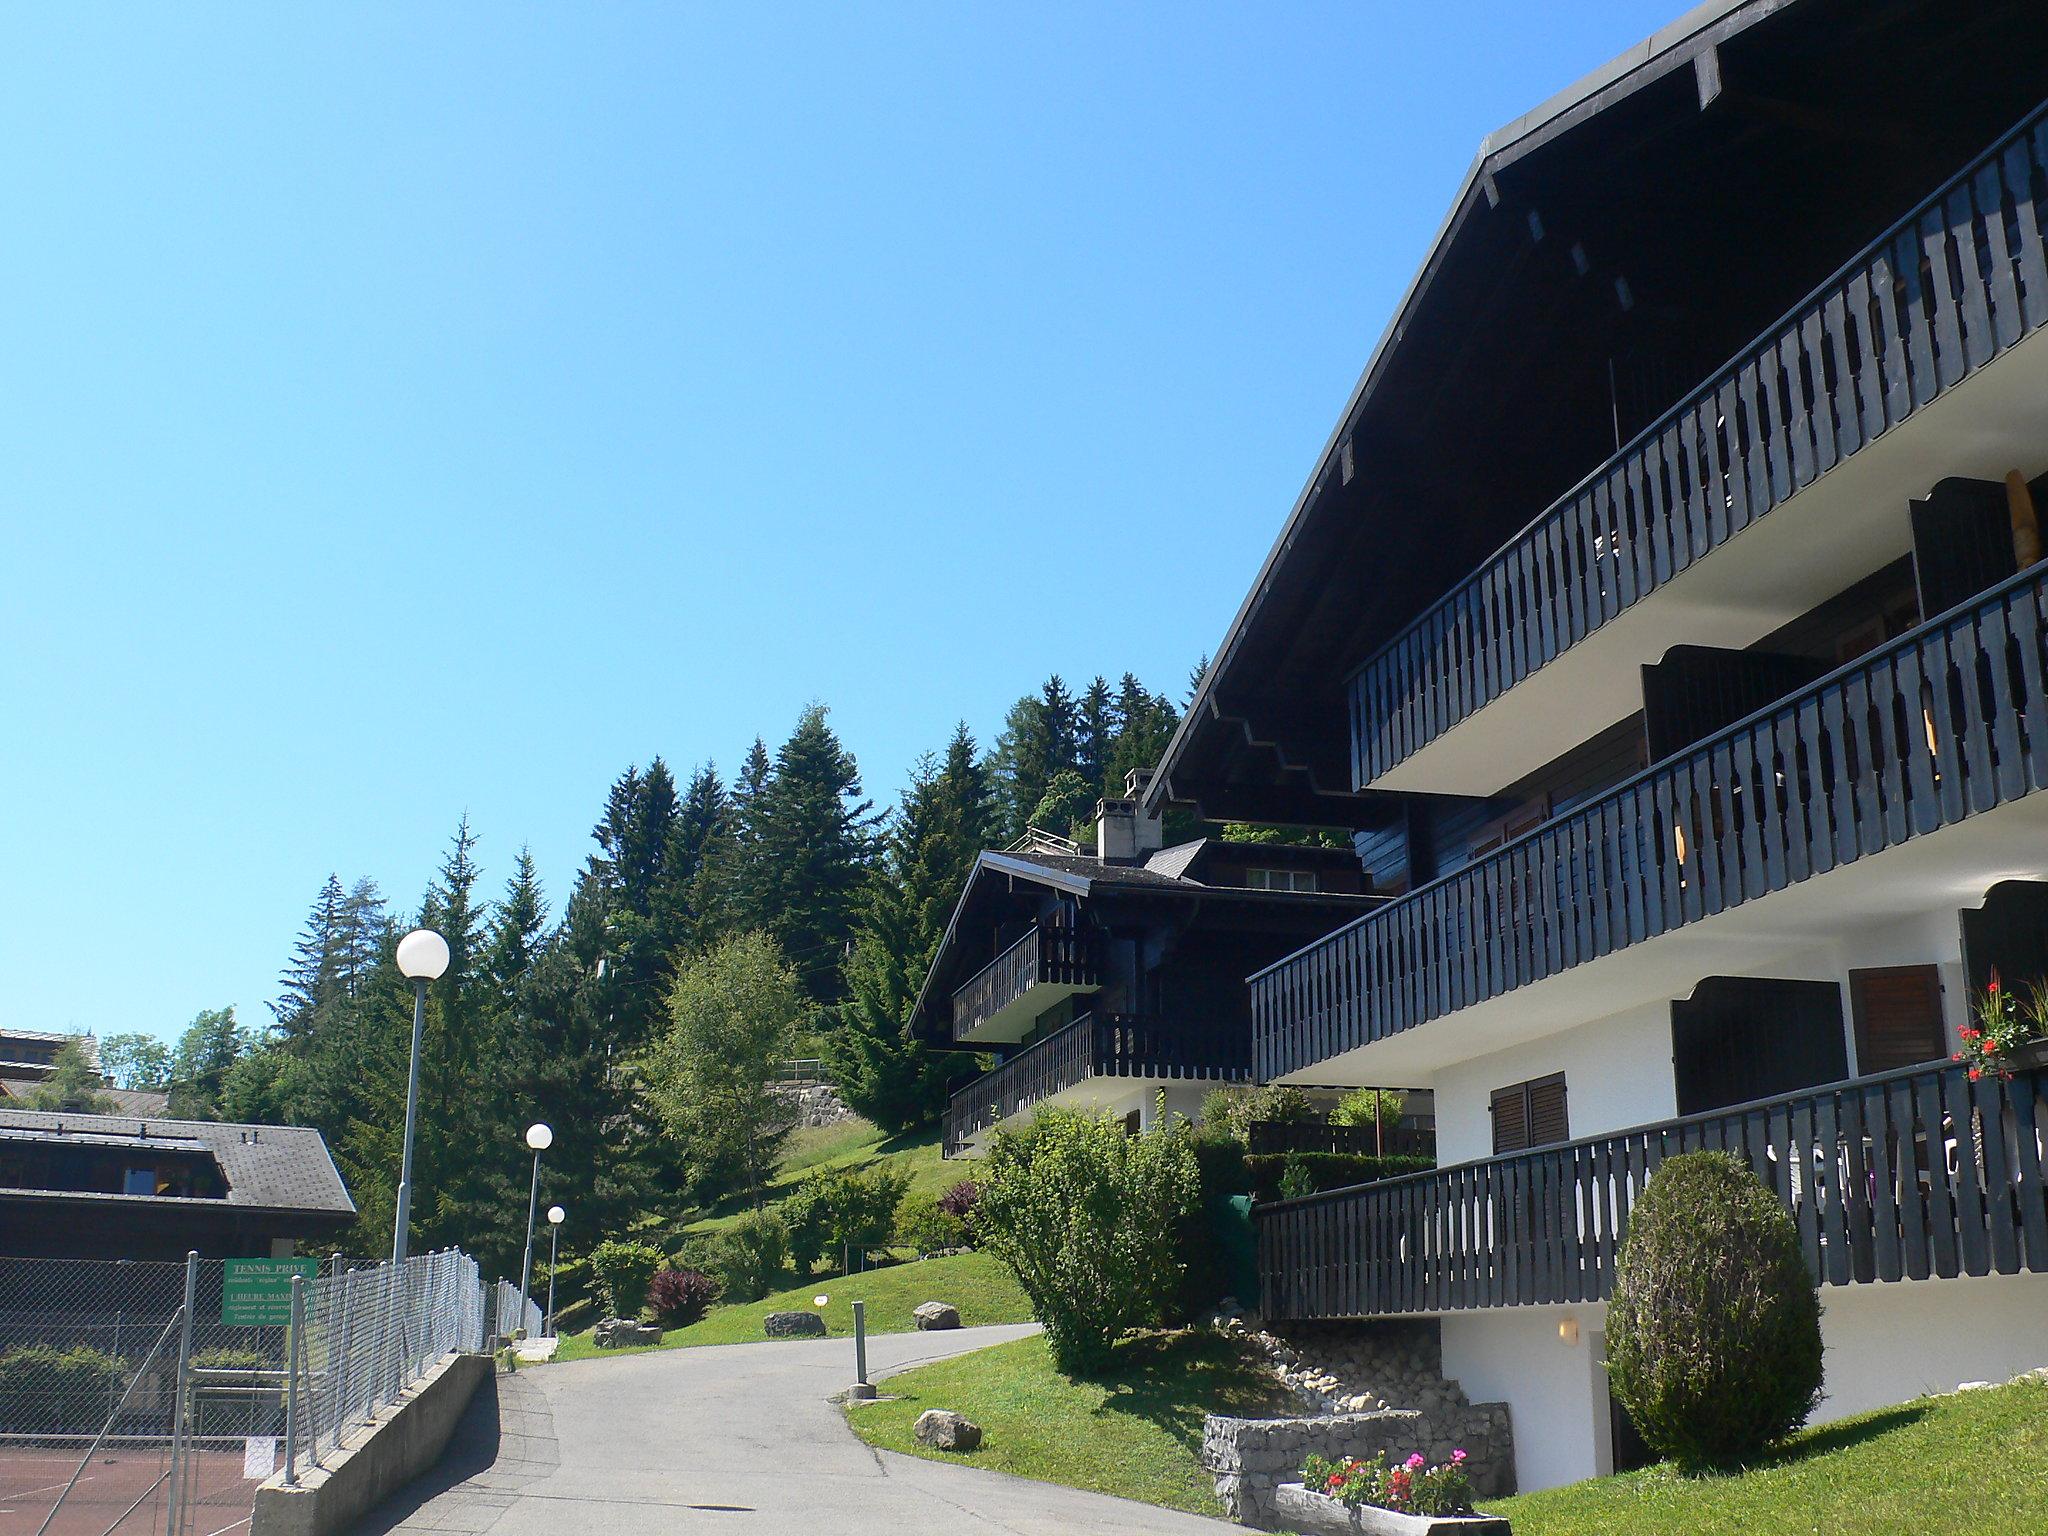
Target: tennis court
<point>122,1491</point>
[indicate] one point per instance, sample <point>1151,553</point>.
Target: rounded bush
<point>678,1297</point>
<point>1713,1333</point>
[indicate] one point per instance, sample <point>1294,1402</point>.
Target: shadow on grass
<point>1176,1380</point>
<point>1839,1437</point>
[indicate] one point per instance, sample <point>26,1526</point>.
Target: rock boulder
<point>618,1332</point>
<point>936,1314</point>
<point>944,1430</point>
<point>793,1325</point>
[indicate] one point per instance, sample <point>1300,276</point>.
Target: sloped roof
<point>267,1167</point>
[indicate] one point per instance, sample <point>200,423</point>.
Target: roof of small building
<point>127,1101</point>
<point>267,1167</point>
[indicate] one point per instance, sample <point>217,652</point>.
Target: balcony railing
<point>1944,291</point>
<point>1946,721</point>
<point>1044,956</point>
<point>1909,1175</point>
<point>1097,1045</point>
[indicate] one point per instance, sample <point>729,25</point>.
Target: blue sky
<point>414,410</point>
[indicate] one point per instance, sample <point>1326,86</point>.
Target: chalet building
<point>29,1056</point>
<point>84,1186</point>
<point>1106,978</point>
<point>1666,620</point>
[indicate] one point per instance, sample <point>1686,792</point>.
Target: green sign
<point>257,1293</point>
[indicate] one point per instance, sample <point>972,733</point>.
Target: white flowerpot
<point>1320,1515</point>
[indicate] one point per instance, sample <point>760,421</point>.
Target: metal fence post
<point>294,1336</point>
<point>340,1362</point>
<point>177,1494</point>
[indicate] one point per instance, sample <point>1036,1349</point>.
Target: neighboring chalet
<point>1666,617</point>
<point>1105,978</point>
<point>28,1056</point>
<point>81,1186</point>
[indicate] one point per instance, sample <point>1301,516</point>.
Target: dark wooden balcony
<point>1947,721</point>
<point>1097,1045</point>
<point>1000,1001</point>
<point>1954,284</point>
<point>1908,1176</point>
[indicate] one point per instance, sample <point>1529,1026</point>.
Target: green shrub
<point>1088,1218</point>
<point>47,1390</point>
<point>928,1227</point>
<point>1713,1334</point>
<point>621,1272</point>
<point>1295,1179</point>
<point>835,1209</point>
<point>746,1256</point>
<point>1232,1111</point>
<point>233,1360</point>
<point>1326,1170</point>
<point>1370,1107</point>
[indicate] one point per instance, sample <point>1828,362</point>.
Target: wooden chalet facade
<point>1107,982</point>
<point>1666,620</point>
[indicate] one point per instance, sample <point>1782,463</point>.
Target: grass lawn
<point>1136,1433</point>
<point>981,1288</point>
<point>854,1143</point>
<point>1942,1466</point>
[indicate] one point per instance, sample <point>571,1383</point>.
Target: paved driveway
<point>739,1438</point>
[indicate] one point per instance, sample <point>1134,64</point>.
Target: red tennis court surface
<point>121,1493</point>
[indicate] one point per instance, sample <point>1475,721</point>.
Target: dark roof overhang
<point>1603,254</point>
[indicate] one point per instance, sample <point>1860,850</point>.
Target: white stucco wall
<point>1617,1074</point>
<point>1883,1345</point>
<point>1617,1065</point>
<point>1556,1391</point>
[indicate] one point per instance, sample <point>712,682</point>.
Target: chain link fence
<point>154,1397</point>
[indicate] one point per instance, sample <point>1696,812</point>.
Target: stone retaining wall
<point>1252,1457</point>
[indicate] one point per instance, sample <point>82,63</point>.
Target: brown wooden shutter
<point>1897,1010</point>
<point>1510,1120</point>
<point>1547,1121</point>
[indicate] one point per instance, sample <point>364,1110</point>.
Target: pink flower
<point>1416,1461</point>
<point>1456,1457</point>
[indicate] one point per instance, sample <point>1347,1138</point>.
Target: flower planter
<point>1314,1513</point>
<point>2025,1058</point>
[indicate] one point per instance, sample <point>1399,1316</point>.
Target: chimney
<point>1123,833</point>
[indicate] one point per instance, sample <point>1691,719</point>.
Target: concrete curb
<point>404,1441</point>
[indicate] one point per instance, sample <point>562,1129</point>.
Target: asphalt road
<point>740,1438</point>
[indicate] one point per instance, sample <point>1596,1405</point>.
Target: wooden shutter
<point>1547,1122</point>
<point>1510,1120</point>
<point>1898,1017</point>
<point>1530,1114</point>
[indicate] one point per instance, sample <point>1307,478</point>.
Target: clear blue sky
<point>407,410</point>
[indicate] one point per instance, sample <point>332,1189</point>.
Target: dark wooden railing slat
<point>1893,1177</point>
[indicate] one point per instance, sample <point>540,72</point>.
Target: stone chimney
<point>1123,833</point>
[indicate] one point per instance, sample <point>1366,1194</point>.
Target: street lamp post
<point>540,1138</point>
<point>556,1216</point>
<point>422,957</point>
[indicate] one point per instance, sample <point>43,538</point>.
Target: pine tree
<point>312,976</point>
<point>808,839</point>
<point>1039,739</point>
<point>1094,733</point>
<point>885,1070</point>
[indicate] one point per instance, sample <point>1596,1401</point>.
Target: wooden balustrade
<point>1097,1045</point>
<point>1044,956</point>
<point>1948,720</point>
<point>1951,286</point>
<point>1909,1175</point>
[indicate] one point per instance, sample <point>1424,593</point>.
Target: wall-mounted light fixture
<point>1568,1330</point>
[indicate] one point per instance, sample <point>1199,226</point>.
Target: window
<point>1897,1010</point>
<point>1530,1114</point>
<point>1280,879</point>
<point>138,1181</point>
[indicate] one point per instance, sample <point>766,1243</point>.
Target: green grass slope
<point>1137,1433</point>
<point>854,1143</point>
<point>1972,1462</point>
<point>981,1288</point>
